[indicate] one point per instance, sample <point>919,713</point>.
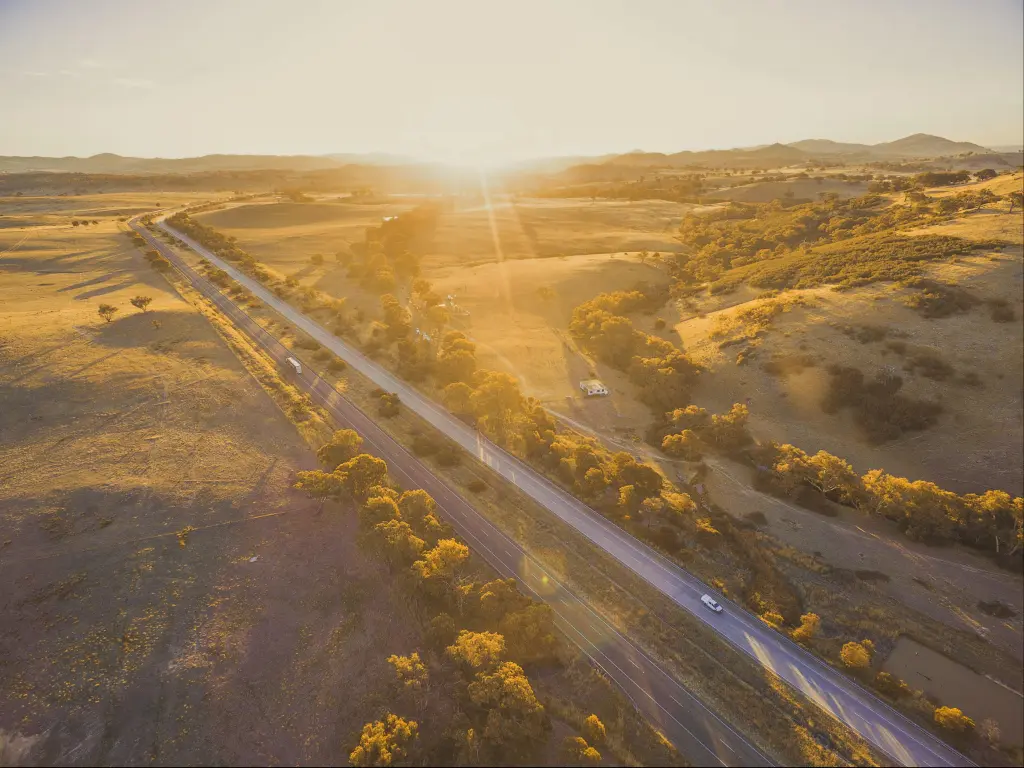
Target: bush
<point>1003,313</point>
<point>882,413</point>
<point>388,405</point>
<point>952,719</point>
<point>337,365</point>
<point>477,486</point>
<point>424,445</point>
<point>449,456</point>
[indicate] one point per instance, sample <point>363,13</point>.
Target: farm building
<point>593,388</point>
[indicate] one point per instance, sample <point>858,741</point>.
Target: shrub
<point>477,486</point>
<point>882,413</point>
<point>449,456</point>
<point>388,405</point>
<point>337,365</point>
<point>1003,313</point>
<point>424,445</point>
<point>856,655</point>
<point>952,719</point>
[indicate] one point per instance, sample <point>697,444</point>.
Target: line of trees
<point>992,521</point>
<point>481,637</point>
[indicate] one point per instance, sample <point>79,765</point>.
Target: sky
<point>482,81</point>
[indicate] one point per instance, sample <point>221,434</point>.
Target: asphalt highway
<point>700,735</point>
<point>904,741</point>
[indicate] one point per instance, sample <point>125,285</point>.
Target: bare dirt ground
<point>120,645</point>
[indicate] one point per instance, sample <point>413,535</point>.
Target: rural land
<point>323,461</point>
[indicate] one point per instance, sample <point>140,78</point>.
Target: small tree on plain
<point>107,311</point>
<point>142,302</point>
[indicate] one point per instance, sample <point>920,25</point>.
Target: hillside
<point>925,145</point>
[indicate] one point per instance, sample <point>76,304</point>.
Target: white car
<point>709,601</point>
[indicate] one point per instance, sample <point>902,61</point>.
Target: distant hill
<point>770,156</point>
<point>829,147</point>
<point>925,145</point>
<point>916,147</point>
<point>110,163</point>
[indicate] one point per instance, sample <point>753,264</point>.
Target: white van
<point>710,602</point>
<point>295,364</point>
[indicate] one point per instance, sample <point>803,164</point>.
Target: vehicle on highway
<point>296,365</point>
<point>710,602</point>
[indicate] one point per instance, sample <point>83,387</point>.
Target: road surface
<point>696,731</point>
<point>904,741</point>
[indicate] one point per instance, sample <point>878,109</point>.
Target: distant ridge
<point>916,147</point>
<point>919,146</point>
<point>111,163</point>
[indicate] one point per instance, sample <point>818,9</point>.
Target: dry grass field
<point>798,189</point>
<point>582,248</point>
<point>162,581</point>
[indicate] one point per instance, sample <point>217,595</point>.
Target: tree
<point>397,542</point>
<point>443,564</point>
<point>576,751</point>
<point>438,316</point>
<point>361,473</point>
<point>441,632</point>
<point>75,222</point>
<point>985,174</point>
<point>317,259</point>
<point>378,508</point>
<point>107,312</point>
<point>685,445</point>
<point>989,730</point>
<point>385,741</point>
<point>418,509</point>
<point>530,633</point>
<point>320,485</point>
<point>855,655</point>
<point>595,482</point>
<point>1016,200</point>
<point>344,445</point>
<point>420,287</point>
<point>496,398</point>
<point>952,719</point>
<point>498,598</point>
<point>809,625</point>
<point>730,430</point>
<point>456,358</point>
<point>410,671</point>
<point>594,730</point>
<point>477,650</point>
<point>142,302</point>
<point>456,397</point>
<point>515,719</point>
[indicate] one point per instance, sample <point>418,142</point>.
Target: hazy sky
<point>483,79</point>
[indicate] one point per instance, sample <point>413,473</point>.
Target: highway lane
<point>699,734</point>
<point>904,741</point>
